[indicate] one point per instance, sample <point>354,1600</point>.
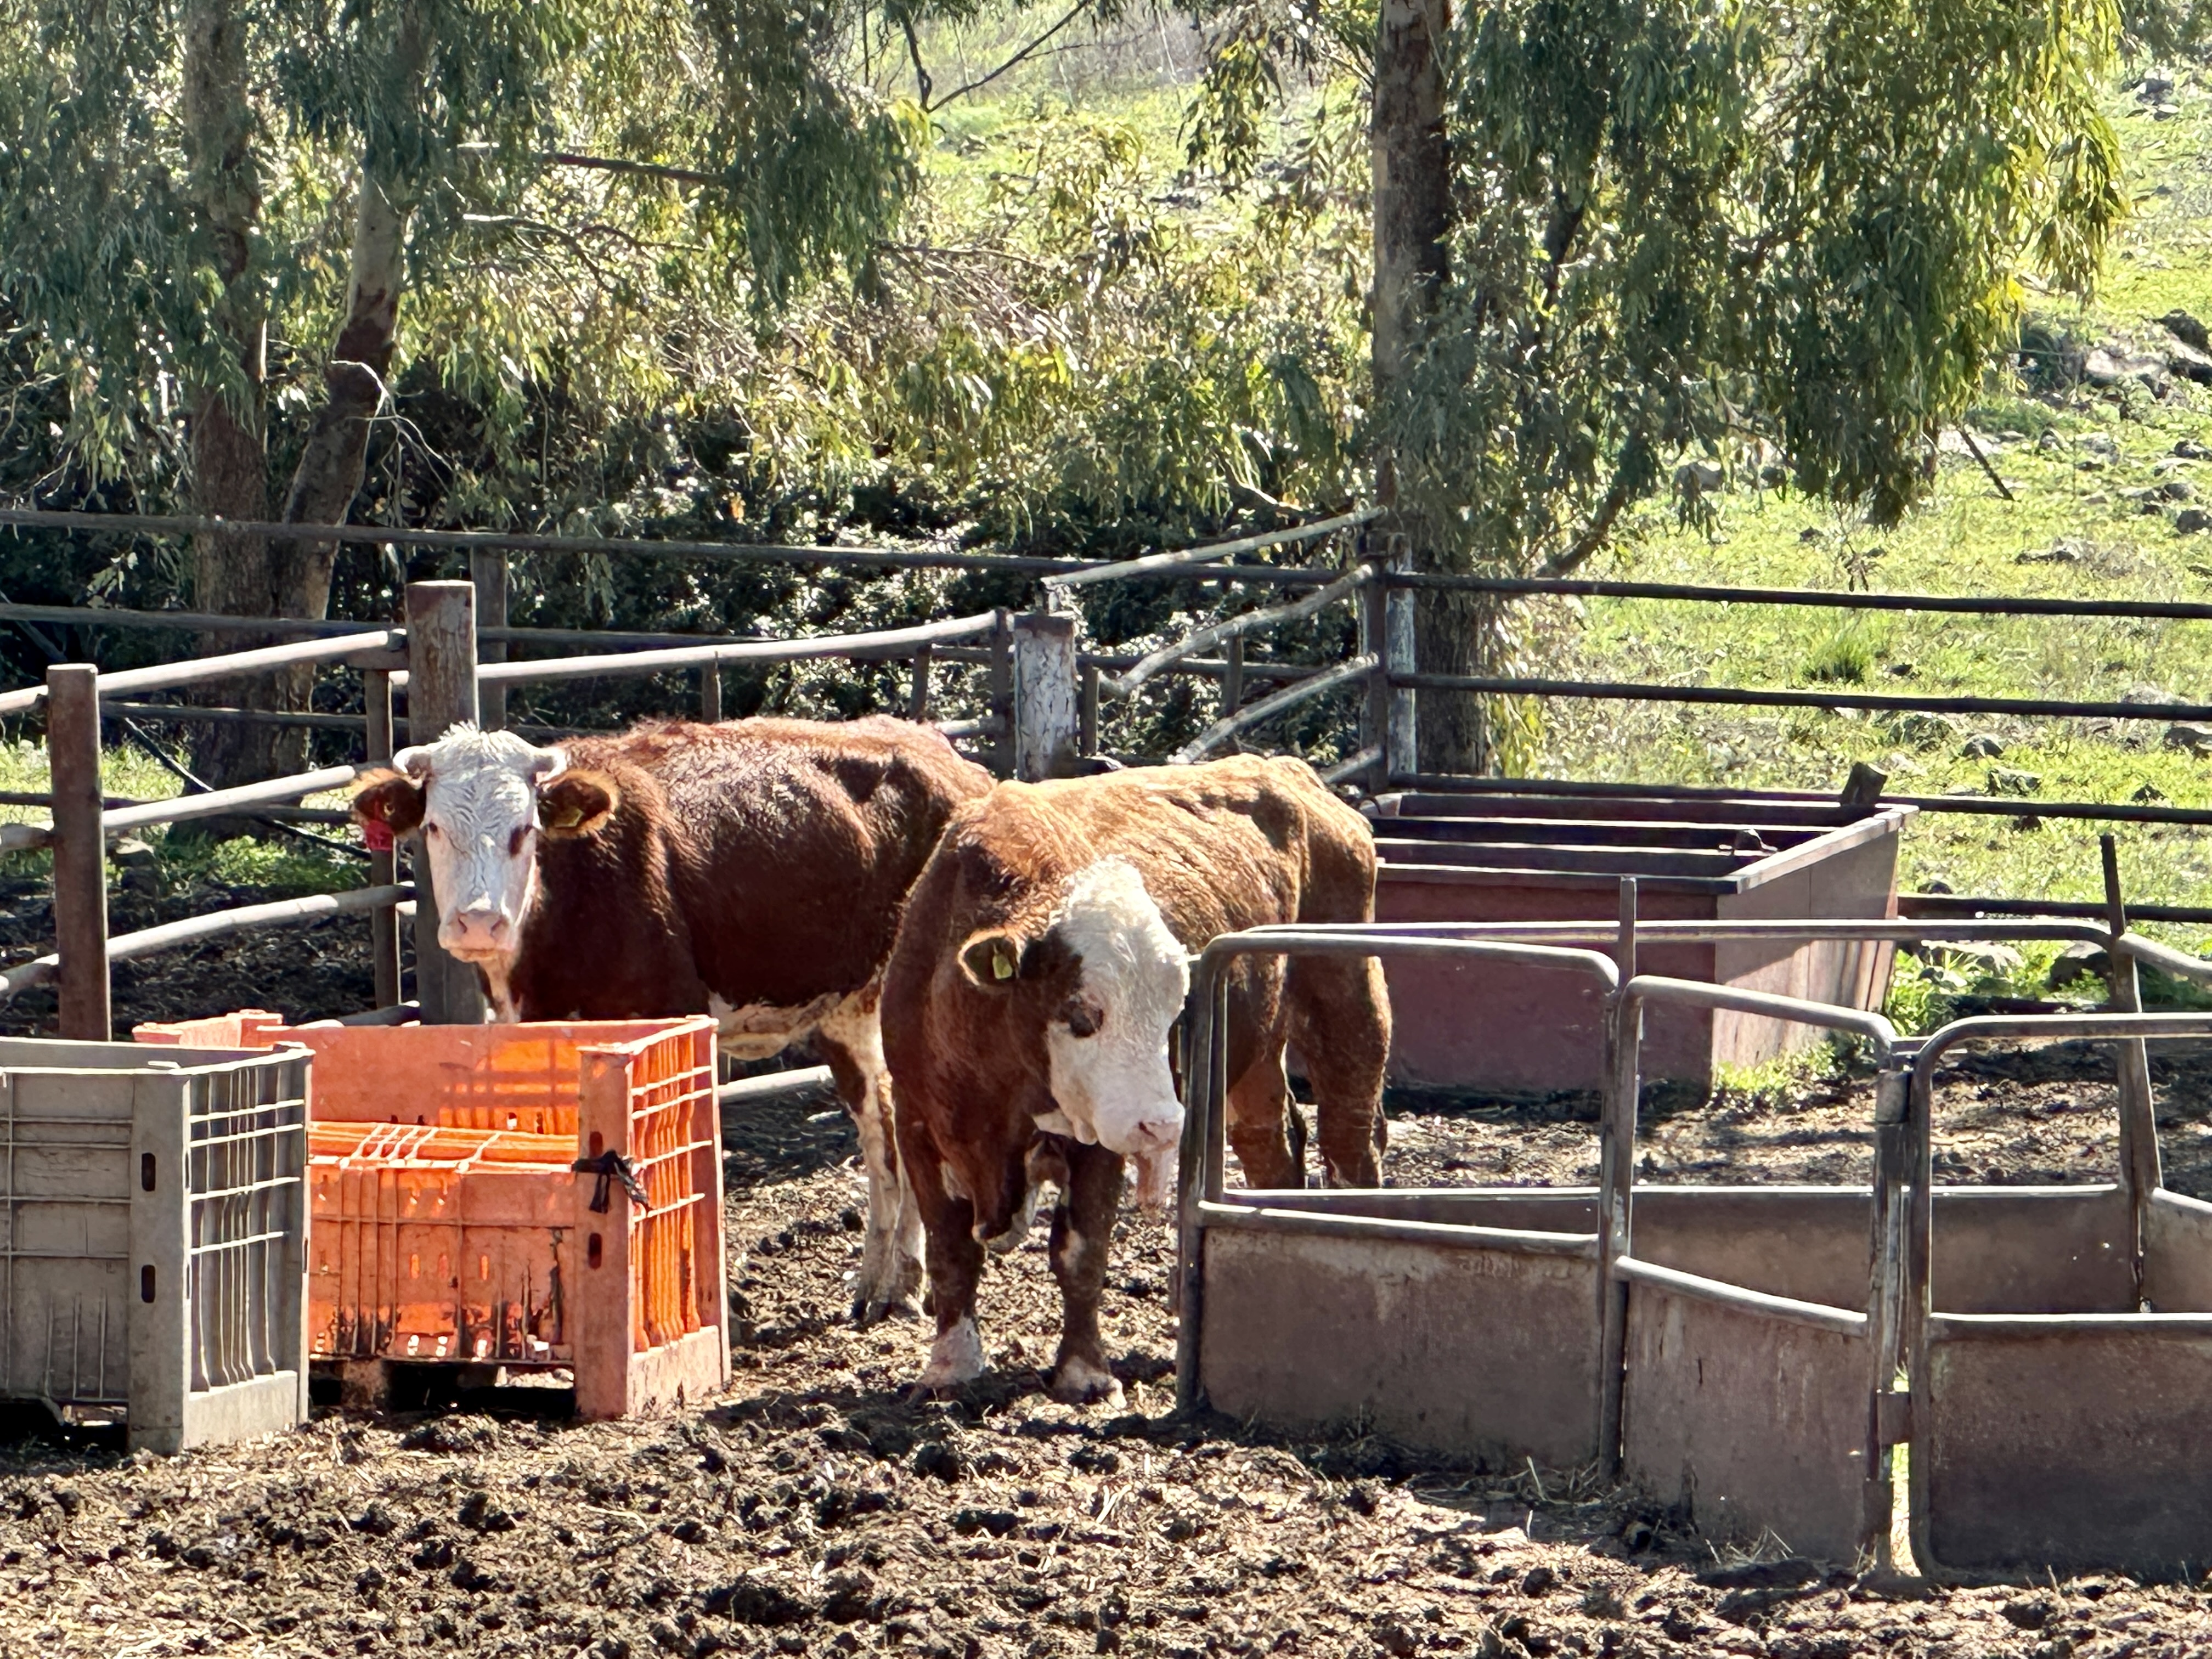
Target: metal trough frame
<point>1515,1323</point>
<point>1477,1336</point>
<point>1535,859</point>
<point>2067,1438</point>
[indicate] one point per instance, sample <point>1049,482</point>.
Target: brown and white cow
<point>755,869</point>
<point>1040,968</point>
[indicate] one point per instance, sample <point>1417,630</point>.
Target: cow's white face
<point>479,831</point>
<point>1109,1044</point>
<point>478,800</point>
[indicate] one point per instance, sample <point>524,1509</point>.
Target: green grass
<point>2069,531</point>
<point>186,858</point>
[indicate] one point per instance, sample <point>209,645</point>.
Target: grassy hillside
<point>2108,486</point>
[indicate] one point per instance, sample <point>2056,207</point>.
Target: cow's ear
<point>576,803</point>
<point>992,960</point>
<point>391,799</point>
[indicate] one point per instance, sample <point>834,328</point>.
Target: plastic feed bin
<point>153,1236</point>
<point>453,1224</point>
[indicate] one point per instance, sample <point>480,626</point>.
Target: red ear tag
<point>376,835</point>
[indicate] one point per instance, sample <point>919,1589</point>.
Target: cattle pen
<point>1635,1327</point>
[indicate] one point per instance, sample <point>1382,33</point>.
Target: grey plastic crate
<point>152,1235</point>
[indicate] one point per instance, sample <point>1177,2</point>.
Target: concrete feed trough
<point>1484,1028</point>
<point>1732,1350</point>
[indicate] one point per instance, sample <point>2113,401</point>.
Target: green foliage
<point>1788,239</point>
<point>742,164</point>
<point>1847,656</point>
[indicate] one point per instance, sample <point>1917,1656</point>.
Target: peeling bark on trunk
<point>1413,216</point>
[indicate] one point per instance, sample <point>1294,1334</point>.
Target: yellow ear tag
<point>1002,965</point>
<point>567,817</point>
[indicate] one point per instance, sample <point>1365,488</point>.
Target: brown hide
<point>762,861</point>
<point>1235,844</point>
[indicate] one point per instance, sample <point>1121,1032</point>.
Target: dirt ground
<point>818,1509</point>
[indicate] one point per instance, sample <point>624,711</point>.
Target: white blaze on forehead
<point>1115,1087</point>
<point>481,789</point>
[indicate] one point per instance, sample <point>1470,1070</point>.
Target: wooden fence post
<point>80,850</point>
<point>1045,702</point>
<point>1000,689</point>
<point>441,692</point>
<point>917,709</point>
<point>1403,751</point>
<point>383,867</point>
<point>1086,722</point>
<point>710,694</point>
<point>488,571</point>
<point>1374,641</point>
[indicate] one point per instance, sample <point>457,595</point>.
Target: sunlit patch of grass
<point>281,861</point>
<point>1846,657</point>
<point>1773,1084</point>
<point>2069,459</point>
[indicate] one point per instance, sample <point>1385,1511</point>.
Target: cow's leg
<point>956,1265</point>
<point>1260,1122</point>
<point>1340,1014</point>
<point>1082,1234</point>
<point>851,1042</point>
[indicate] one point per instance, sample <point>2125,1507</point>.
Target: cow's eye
<point>1084,1018</point>
<point>514,841</point>
<point>429,828</point>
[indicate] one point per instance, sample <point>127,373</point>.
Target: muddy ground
<point>817,1508</point>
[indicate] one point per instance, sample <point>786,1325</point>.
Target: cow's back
<point>1243,842</point>
<point>788,849</point>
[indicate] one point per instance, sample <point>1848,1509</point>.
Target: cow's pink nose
<point>474,928</point>
<point>1158,1132</point>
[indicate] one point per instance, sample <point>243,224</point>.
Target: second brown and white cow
<point>1040,966</point>
<point>755,869</point>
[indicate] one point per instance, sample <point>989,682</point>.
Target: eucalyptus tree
<point>1626,247</point>
<point>226,226</point>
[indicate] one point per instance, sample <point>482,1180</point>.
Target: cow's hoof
<point>868,1310</point>
<point>1080,1382</point>
<point>956,1357</point>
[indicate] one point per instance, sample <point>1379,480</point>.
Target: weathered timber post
<point>383,866</point>
<point>1086,722</point>
<point>917,709</point>
<point>1233,681</point>
<point>442,693</point>
<point>80,850</point>
<point>1047,720</point>
<point>488,571</point>
<point>1401,756</point>
<point>710,694</point>
<point>1375,641</point>
<point>999,686</point>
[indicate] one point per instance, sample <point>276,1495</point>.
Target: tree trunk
<point>282,578</point>
<point>231,574</point>
<point>335,456</point>
<point>1413,216</point>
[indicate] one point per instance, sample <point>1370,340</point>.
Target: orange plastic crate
<point>450,1221</point>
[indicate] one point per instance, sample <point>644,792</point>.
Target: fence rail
<point>474,541</point>
<point>1877,702</point>
<point>1041,694</point>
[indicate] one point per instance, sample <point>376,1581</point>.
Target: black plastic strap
<point>610,1167</point>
